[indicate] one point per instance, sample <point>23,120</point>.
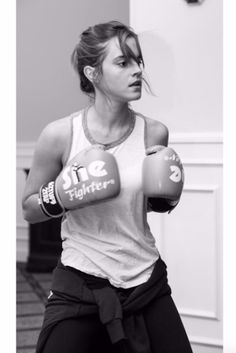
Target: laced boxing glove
<point>163,178</point>
<point>90,177</point>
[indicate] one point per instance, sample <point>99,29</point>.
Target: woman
<point>109,290</point>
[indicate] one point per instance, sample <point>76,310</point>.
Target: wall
<point>182,47</point>
<point>47,86</point>
<point>47,32</point>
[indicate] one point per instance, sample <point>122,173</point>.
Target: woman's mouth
<point>136,83</point>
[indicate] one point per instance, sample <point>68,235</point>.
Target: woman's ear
<point>89,72</point>
<point>92,74</point>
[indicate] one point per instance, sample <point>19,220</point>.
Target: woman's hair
<point>91,49</point>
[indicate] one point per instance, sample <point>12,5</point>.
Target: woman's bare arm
<point>46,165</point>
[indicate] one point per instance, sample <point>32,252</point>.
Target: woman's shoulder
<point>57,130</point>
<point>157,132</point>
<point>61,128</point>
<point>57,135</point>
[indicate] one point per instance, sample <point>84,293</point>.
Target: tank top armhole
<point>145,137</point>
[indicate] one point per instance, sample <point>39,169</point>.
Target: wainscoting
<point>24,156</point>
<point>190,240</point>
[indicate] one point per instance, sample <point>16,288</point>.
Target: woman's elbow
<point>28,212</point>
<point>32,212</point>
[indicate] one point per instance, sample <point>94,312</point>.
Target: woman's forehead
<point>114,50</point>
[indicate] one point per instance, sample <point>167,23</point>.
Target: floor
<point>32,292</point>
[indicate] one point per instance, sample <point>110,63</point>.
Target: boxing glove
<point>163,178</point>
<point>90,177</point>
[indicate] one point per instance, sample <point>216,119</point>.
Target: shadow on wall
<point>159,70</point>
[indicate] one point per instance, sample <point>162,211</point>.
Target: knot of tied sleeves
<point>77,294</point>
<point>132,328</point>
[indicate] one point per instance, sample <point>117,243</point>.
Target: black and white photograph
<point>119,176</point>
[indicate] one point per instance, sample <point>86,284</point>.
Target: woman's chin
<point>137,96</point>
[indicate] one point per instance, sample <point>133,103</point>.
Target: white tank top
<point>112,240</point>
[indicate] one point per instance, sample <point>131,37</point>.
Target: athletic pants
<point>89,335</point>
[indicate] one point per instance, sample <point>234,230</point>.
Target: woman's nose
<point>137,69</point>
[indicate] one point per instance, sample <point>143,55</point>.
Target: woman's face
<point>121,79</point>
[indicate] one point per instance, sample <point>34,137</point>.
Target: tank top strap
<point>78,139</point>
<point>143,126</point>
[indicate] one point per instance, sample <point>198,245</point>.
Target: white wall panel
<point>182,48</point>
<point>190,242</point>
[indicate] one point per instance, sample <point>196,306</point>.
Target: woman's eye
<point>123,63</point>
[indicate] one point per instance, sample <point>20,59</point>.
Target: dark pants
<point>88,335</point>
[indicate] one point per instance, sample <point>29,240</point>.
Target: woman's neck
<point>109,116</point>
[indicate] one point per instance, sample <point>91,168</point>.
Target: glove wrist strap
<point>161,205</point>
<point>48,201</point>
